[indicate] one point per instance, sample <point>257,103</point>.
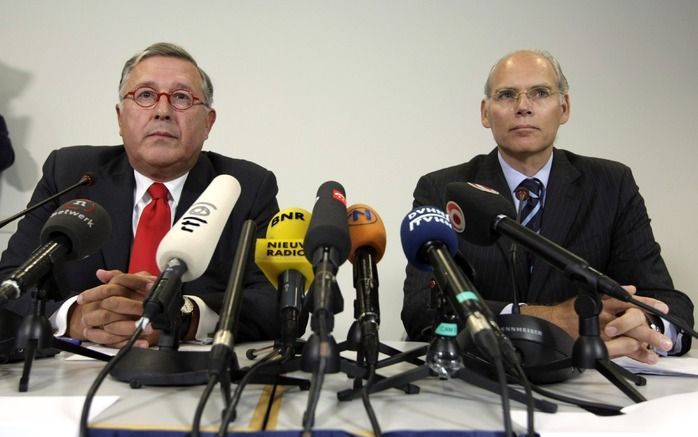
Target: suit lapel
<point>562,202</point>
<point>114,191</point>
<point>197,180</point>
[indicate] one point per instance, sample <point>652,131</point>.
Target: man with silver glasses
<point>164,115</point>
<point>590,206</point>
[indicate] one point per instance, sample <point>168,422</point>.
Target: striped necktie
<point>530,194</point>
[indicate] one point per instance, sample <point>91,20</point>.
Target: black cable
<point>270,403</point>
<point>196,423</point>
<point>375,426</point>
<point>506,410</point>
<point>275,355</point>
<point>530,408</point>
<point>316,381</point>
<point>317,378</point>
<point>101,376</point>
<point>511,266</point>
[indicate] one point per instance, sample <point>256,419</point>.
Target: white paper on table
<point>670,366</point>
<point>57,416</point>
<point>666,416</point>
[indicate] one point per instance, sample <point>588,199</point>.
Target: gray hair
<point>562,84</point>
<point>171,51</point>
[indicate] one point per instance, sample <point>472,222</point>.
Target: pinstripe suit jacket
<point>113,190</point>
<point>592,208</point>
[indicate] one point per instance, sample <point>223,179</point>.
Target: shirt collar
<point>514,177</point>
<point>143,182</point>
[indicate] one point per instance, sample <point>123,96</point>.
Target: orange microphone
<point>368,241</point>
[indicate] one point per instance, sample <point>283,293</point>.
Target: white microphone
<point>186,250</point>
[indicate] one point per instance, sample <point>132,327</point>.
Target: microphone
<point>74,231</point>
<point>491,215</point>
<point>327,245</point>
<point>281,257</point>
<point>368,242</point>
<point>86,179</point>
<point>430,243</point>
<point>185,251</point>
<point>224,339</point>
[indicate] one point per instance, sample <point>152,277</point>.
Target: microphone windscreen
<point>282,250</point>
<point>328,225</point>
<point>89,178</point>
<point>473,210</point>
<point>195,235</point>
<point>84,222</point>
<point>366,229</point>
<point>423,225</point>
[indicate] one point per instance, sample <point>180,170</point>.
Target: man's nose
<point>162,107</point>
<point>523,104</point>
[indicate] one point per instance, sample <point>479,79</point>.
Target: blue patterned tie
<point>530,193</point>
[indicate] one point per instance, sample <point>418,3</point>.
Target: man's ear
<point>484,114</point>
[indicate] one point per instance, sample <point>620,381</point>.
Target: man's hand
<point>626,331</point>
<point>107,313</point>
<point>624,327</point>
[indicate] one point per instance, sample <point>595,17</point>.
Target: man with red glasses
<point>164,115</point>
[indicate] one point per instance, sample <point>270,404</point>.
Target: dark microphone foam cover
<point>473,209</point>
<point>366,229</point>
<point>328,224</point>
<point>89,178</point>
<point>84,222</point>
<point>423,225</point>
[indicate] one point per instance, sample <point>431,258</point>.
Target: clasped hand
<point>106,314</point>
<point>624,327</point>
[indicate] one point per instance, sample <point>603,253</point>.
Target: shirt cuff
<point>208,319</point>
<point>509,308</point>
<point>674,335</point>
<point>59,319</point>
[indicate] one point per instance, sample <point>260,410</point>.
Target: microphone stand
<point>288,345</point>
<point>358,370</point>
<point>590,352</point>
<point>444,358</point>
<point>167,365</point>
<point>362,337</point>
<point>36,335</point>
<point>86,179</point>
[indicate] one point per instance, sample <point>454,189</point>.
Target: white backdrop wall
<point>369,93</point>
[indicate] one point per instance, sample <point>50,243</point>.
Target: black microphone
<point>224,339</point>
<point>86,179</point>
<point>327,245</point>
<point>488,215</point>
<point>75,230</point>
<point>429,243</point>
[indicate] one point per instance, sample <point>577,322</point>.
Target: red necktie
<point>153,224</point>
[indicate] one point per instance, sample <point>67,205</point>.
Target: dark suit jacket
<point>113,189</point>
<point>592,208</point>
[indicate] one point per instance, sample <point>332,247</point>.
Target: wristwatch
<point>187,311</point>
<point>655,322</point>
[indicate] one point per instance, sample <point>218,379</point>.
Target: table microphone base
<point>164,367</point>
